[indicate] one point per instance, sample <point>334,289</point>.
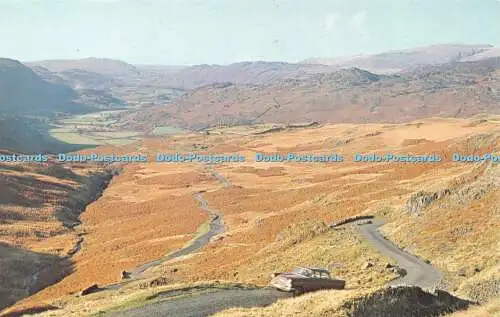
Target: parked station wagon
<point>302,280</point>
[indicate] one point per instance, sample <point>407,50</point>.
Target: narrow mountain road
<point>208,302</point>
<point>216,226</point>
<point>205,304</point>
<point>419,273</point>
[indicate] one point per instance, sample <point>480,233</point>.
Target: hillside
<point>107,83</point>
<point>404,60</point>
<point>349,95</point>
<point>108,67</point>
<point>30,99</point>
<point>22,91</point>
<point>244,73</point>
<point>265,73</point>
<point>39,205</point>
<point>257,73</point>
<point>276,215</point>
<point>29,135</point>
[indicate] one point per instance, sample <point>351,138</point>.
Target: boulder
<point>368,265</point>
<point>89,290</point>
<point>125,275</point>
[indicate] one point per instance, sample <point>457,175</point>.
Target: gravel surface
<point>419,273</point>
<point>206,304</point>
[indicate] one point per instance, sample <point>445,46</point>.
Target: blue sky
<point>224,31</point>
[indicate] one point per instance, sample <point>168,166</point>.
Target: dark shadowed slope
<point>23,91</point>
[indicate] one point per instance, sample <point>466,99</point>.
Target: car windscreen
<point>302,271</point>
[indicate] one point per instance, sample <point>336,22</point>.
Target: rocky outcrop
<point>404,302</point>
<point>420,200</point>
<point>463,191</point>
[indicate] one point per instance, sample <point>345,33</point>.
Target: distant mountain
<point>22,91</point>
<point>244,73</point>
<point>93,89</point>
<point>492,52</point>
<point>458,89</point>
<point>118,73</point>
<point>183,77</point>
<point>397,61</point>
<point>113,68</point>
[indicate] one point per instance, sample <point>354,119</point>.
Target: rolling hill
<point>265,73</point>
<point>348,95</point>
<point>397,61</point>
<point>22,91</point>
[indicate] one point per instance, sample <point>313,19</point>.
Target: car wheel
<point>298,291</point>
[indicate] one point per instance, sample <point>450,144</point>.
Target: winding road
<point>419,273</point>
<point>216,226</point>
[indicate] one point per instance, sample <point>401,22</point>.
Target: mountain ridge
<point>348,96</point>
<point>23,91</point>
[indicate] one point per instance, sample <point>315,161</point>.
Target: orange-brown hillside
<point>276,214</point>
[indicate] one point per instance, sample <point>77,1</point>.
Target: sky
<point>187,32</point>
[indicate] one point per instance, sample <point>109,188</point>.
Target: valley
<point>97,128</point>
<point>382,169</point>
<point>276,215</point>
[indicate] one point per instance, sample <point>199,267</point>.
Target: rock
<point>159,282</point>
<point>174,270</point>
<point>89,290</point>
<point>399,271</point>
<point>367,265</point>
<point>420,201</point>
<point>389,266</point>
<point>461,272</point>
<point>125,275</point>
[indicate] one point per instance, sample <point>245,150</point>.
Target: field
<point>166,131</point>
<point>277,214</point>
<point>99,128</point>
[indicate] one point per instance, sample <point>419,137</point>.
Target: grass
<point>203,229</point>
<point>75,138</point>
<point>319,303</point>
<point>274,223</point>
<point>491,309</point>
<point>92,129</point>
<point>117,135</point>
<point>158,131</point>
<point>101,303</point>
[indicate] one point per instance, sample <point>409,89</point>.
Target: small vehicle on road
<point>305,279</point>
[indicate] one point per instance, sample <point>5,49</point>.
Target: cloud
<point>357,21</point>
<point>331,21</point>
